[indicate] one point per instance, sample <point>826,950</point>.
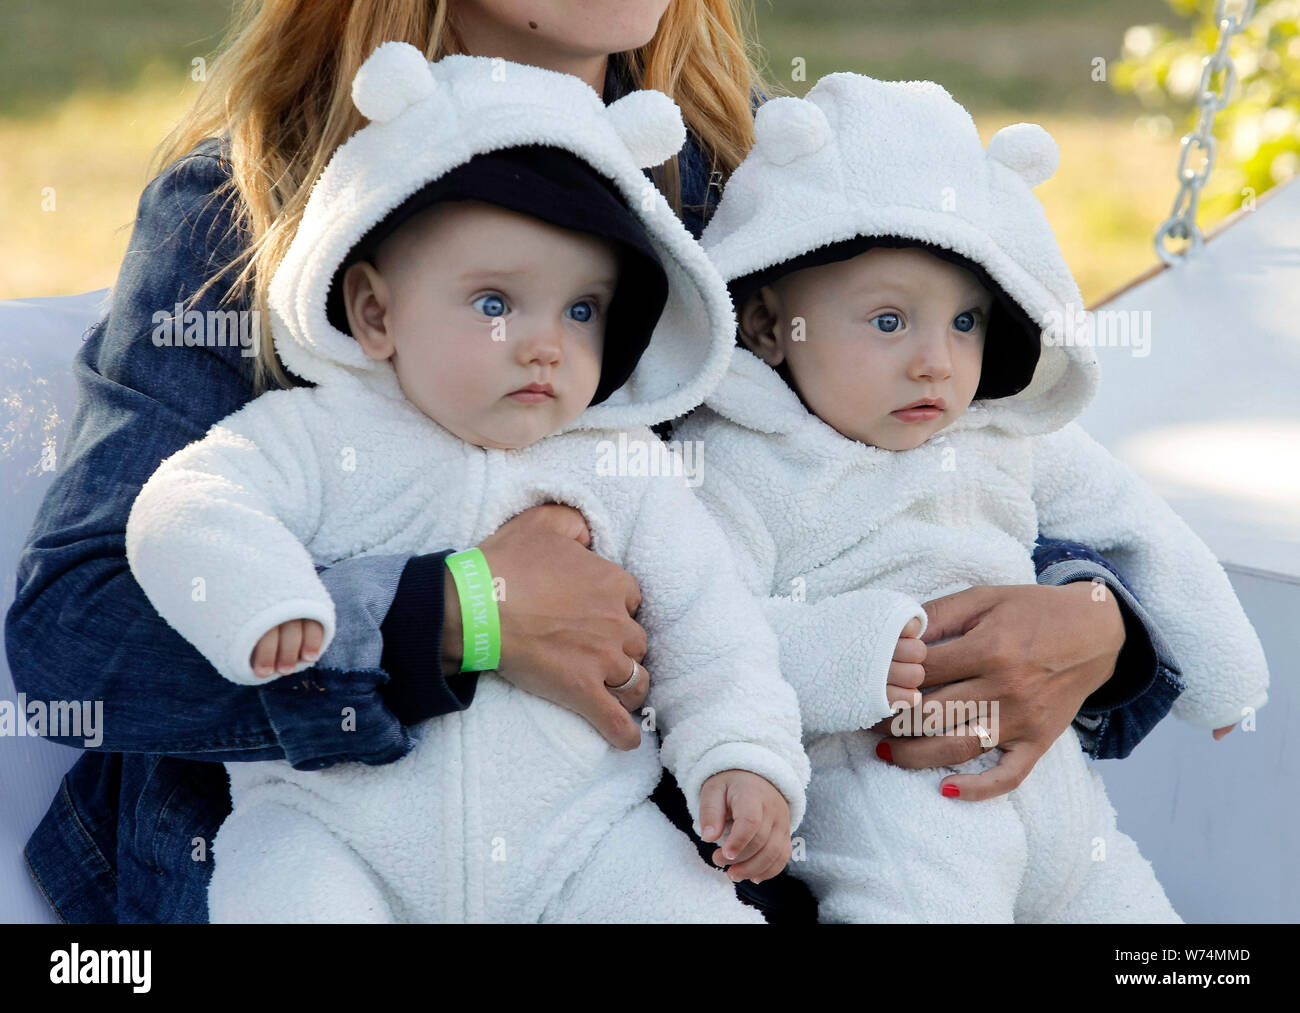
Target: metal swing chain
<point>1181,223</point>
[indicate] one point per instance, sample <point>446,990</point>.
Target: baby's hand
<point>758,843</point>
<point>282,648</point>
<point>907,670</point>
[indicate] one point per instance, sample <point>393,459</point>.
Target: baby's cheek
<point>972,366</point>
<point>450,398</point>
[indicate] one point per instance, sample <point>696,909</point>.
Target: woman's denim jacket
<point>126,837</point>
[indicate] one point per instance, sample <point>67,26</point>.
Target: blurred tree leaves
<point>1259,132</point>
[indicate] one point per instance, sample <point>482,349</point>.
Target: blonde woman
<point>126,837</point>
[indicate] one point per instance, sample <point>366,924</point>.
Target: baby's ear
<point>365,300</point>
<point>1027,150</point>
<point>757,320</point>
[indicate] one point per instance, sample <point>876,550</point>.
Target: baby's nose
<point>542,342</point>
<point>933,356</point>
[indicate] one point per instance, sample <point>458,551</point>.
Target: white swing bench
<point>1210,418</point>
<point>1211,421</point>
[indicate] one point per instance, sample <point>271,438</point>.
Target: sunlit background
<point>88,89</point>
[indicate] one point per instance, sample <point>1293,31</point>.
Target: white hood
<point>426,119</point>
<point>861,157</point>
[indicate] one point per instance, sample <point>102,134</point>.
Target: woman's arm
<point>80,627</point>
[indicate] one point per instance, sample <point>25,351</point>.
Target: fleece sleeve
<point>835,650</point>
<point>215,537</point>
<point>836,653</point>
<point>1084,492</point>
<point>716,692</point>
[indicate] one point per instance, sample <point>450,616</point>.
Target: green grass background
<point>88,89</point>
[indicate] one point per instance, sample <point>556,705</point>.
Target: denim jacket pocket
<point>171,833</point>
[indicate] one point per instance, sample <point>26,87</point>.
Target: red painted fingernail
<point>951,791</point>
<point>884,752</point>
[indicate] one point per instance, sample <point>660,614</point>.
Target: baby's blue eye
<point>490,305</point>
<point>887,322</point>
<point>965,321</point>
<point>582,311</point>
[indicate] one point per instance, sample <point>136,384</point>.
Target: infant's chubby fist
<point>757,846</point>
<point>907,668</point>
<point>280,650</point>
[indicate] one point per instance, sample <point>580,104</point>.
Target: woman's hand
<point>567,632</point>
<point>1039,652</point>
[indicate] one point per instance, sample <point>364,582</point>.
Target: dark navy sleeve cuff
<point>321,717</point>
<point>412,631</point>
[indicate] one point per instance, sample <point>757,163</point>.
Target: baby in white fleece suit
<point>510,321</point>
<point>898,428</point>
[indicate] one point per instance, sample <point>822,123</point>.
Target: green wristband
<point>479,618</point>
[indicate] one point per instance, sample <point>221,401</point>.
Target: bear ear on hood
<point>396,75</point>
<point>1027,150</point>
<point>650,126</point>
<point>787,128</point>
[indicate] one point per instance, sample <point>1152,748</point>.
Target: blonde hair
<point>281,89</point>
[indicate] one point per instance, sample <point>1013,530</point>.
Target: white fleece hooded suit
<point>846,540</point>
<point>514,809</point>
